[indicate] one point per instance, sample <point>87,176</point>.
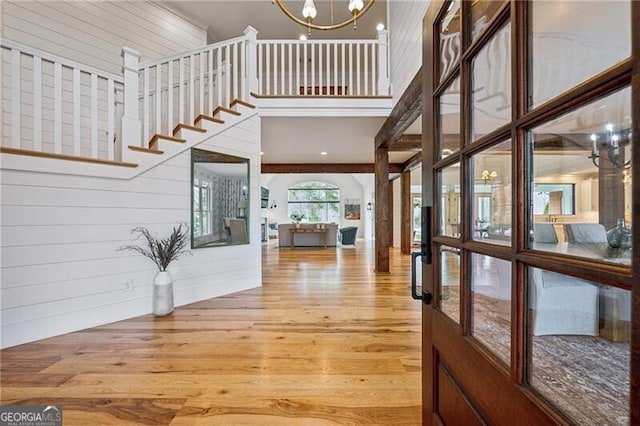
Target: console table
<point>294,231</point>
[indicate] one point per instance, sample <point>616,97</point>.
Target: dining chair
<point>544,233</point>
<point>585,233</point>
<point>561,305</point>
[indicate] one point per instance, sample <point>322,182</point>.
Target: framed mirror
<point>219,199</point>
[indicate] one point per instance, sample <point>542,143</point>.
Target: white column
<point>383,63</point>
<point>251,69</point>
<point>130,120</point>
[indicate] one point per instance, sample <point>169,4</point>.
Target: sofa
<point>311,239</point>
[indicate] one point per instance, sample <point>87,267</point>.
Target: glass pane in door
<point>491,82</point>
<point>482,12</point>
<point>449,128</point>
<point>448,289</point>
<point>580,352</point>
<point>580,194</point>
<point>575,40</point>
<point>450,40</point>
<point>450,201</point>
<point>491,304</point>
<point>492,194</point>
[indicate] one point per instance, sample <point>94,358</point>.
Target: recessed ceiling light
<point>303,37</point>
<point>323,153</point>
<point>380,26</point>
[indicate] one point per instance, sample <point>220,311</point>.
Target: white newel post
<point>130,120</point>
<point>251,70</point>
<point>383,62</point>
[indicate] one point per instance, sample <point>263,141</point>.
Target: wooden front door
<point>532,316</point>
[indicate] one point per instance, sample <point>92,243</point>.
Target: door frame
<point>539,411</point>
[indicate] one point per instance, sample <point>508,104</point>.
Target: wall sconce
<point>369,206</point>
<point>611,145</point>
<point>488,176</point>
<point>273,205</point>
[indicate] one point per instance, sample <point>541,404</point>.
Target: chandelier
<point>610,144</point>
<point>356,8</point>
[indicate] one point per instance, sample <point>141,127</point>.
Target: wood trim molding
<point>325,168</point>
<point>51,155</point>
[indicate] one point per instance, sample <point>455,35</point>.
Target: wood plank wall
<point>61,270</point>
<point>94,33</point>
<point>405,39</point>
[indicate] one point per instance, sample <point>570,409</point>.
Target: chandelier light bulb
<point>355,6</point>
<point>609,127</point>
<point>309,10</point>
<point>356,9</point>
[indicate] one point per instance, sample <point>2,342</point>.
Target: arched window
<point>314,202</point>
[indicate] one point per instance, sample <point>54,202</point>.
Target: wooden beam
<point>406,111</point>
<point>407,143</point>
<point>325,168</point>
<point>413,162</point>
<point>382,224</point>
<point>390,215</point>
<point>406,216</point>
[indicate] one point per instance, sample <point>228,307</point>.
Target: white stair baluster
<point>94,115</point>
<point>145,107</point>
<point>76,111</point>
<point>37,103</point>
<point>110,119</point>
<point>57,109</point>
<point>158,95</point>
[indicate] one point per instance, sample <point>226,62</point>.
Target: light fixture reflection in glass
<point>609,142</point>
<point>488,176</point>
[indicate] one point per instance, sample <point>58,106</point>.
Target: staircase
<point>120,126</point>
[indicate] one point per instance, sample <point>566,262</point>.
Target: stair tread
<point>143,149</point>
<point>181,126</point>
<point>41,154</point>
<point>225,109</point>
<point>208,118</point>
<point>241,102</point>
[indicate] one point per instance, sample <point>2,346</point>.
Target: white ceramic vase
<point>162,294</point>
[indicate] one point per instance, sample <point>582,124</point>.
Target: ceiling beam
<point>413,162</point>
<point>324,168</point>
<point>407,143</point>
<point>406,111</point>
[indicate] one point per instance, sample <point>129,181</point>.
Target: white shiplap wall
<point>405,40</point>
<point>94,32</point>
<point>60,268</point>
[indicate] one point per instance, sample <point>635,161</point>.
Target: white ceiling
<point>297,139</point>
<point>224,19</point>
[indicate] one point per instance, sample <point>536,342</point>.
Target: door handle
<point>425,296</point>
<point>424,253</point>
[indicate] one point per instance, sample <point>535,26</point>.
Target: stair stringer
<point>171,149</point>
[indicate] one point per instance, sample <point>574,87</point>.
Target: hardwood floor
<point>323,341</point>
